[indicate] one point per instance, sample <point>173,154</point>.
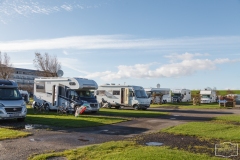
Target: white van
<point>12,105</point>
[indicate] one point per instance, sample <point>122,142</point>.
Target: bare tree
<point>6,69</point>
<point>47,65</point>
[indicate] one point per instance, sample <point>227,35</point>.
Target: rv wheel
<point>109,105</point>
<point>136,107</point>
<point>117,107</point>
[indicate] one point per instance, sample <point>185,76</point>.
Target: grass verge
<point>53,119</point>
<point>124,150</point>
<point>6,133</point>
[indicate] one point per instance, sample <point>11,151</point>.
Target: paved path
<point>57,140</point>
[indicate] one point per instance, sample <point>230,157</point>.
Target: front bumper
<point>143,105</point>
<point>91,107</point>
<point>6,114</point>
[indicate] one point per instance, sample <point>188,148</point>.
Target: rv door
<point>126,96</point>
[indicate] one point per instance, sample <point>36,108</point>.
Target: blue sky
<point>177,43</point>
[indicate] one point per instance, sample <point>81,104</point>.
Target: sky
<point>188,44</point>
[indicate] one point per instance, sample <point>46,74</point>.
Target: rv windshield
<point>205,96</point>
<point>140,94</point>
<point>85,94</point>
<point>10,94</point>
<point>176,95</point>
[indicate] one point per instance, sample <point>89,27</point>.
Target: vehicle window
<point>10,94</point>
<point>86,94</point>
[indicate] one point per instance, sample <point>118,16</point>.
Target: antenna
<point>59,73</point>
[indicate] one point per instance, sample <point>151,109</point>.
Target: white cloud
<point>65,52</point>
<point>185,56</point>
<point>121,42</point>
<point>27,8</point>
<point>183,68</point>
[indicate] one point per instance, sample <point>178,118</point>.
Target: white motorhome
<point>123,95</point>
<point>25,95</point>
<point>58,91</point>
<point>165,92</point>
<point>12,105</point>
<point>208,95</point>
<point>181,95</point>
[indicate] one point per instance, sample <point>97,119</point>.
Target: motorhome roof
<point>8,83</point>
<point>119,85</point>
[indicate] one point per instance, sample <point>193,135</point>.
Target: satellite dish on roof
<point>59,73</point>
<point>158,85</point>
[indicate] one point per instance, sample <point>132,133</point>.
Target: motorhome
<point>208,95</point>
<point>25,95</point>
<point>161,94</point>
<point>181,95</point>
<point>123,95</point>
<point>58,91</point>
<point>12,105</point>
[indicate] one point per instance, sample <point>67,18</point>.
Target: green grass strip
<point>207,130</point>
<point>10,134</point>
<point>124,150</point>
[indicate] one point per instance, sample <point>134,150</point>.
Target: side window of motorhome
<point>101,92</point>
<point>116,92</point>
<point>131,93</point>
<point>61,92</point>
<point>40,87</point>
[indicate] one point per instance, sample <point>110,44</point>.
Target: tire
<point>20,119</point>
<point>109,105</point>
<point>144,108</point>
<point>46,107</point>
<point>117,107</point>
<point>136,107</point>
<point>94,111</point>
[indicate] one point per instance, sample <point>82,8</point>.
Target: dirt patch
<point>187,143</point>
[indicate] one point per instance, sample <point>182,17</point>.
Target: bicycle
<point>63,109</point>
<point>41,107</point>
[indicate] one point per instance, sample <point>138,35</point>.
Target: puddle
<point>154,144</point>
<point>34,140</point>
<point>36,126</point>
<point>83,140</point>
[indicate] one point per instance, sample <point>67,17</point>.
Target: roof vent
<point>112,83</point>
<point>107,84</point>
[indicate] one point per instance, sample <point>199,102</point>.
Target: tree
<point>6,69</point>
<point>47,65</point>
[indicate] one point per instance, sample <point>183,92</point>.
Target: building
<point>25,78</point>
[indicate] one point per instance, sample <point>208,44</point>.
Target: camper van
<point>70,92</point>
<point>165,92</point>
<point>208,95</point>
<point>123,95</point>
<point>25,96</point>
<point>181,95</point>
<point>12,105</point>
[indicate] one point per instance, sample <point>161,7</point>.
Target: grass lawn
<point>124,150</point>
<point>9,134</point>
<point>221,127</point>
<point>53,119</point>
<point>130,113</point>
<point>187,105</point>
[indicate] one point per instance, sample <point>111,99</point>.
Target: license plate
<point>14,115</point>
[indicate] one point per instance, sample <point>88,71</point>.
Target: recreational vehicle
<point>208,95</point>
<point>70,92</point>
<point>123,95</point>
<point>181,95</point>
<point>12,105</point>
<point>161,94</point>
